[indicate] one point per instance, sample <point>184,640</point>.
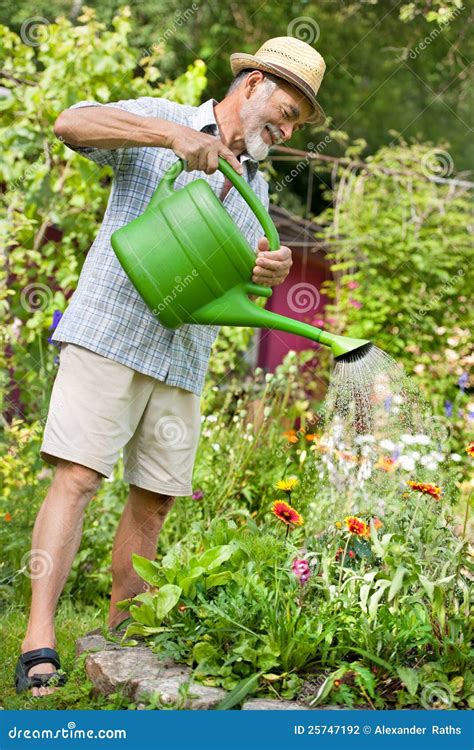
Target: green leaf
<point>215,556</point>
<point>409,677</point>
<point>218,579</point>
<point>397,582</point>
<point>237,695</point>
<point>166,598</point>
<point>147,569</point>
<point>376,596</point>
<point>427,585</point>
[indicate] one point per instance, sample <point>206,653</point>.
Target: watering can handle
<point>165,188</point>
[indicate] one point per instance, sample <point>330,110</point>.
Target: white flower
<point>408,439</point>
<point>455,457</point>
<point>421,439</point>
<point>387,445</point>
<point>216,447</point>
<point>397,399</point>
<point>360,439</point>
<point>407,463</point>
<point>212,418</point>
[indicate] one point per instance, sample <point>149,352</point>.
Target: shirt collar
<point>203,118</point>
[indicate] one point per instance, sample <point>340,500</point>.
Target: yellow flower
<point>338,525</point>
<point>287,485</point>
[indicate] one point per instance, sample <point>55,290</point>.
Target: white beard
<point>253,126</point>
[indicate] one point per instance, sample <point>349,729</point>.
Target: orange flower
<point>427,489</point>
<point>286,513</point>
<point>311,436</point>
<point>356,526</point>
<point>470,448</point>
<point>8,517</point>
<point>386,464</point>
<point>344,456</point>
<point>377,522</point>
<point>291,435</point>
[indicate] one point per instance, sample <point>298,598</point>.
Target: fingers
<point>227,154</point>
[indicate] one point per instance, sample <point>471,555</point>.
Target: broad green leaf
<point>218,579</point>
<point>427,585</point>
<point>409,677</point>
<point>143,613</point>
<point>376,596</point>
<point>166,598</point>
<point>397,582</point>
<point>215,556</point>
<point>147,569</point>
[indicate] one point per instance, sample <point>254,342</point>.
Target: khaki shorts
<point>99,406</point>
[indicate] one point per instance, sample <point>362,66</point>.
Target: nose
<point>286,130</point>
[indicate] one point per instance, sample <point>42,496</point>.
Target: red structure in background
<point>299,296</point>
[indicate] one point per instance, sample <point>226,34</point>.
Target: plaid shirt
<point>106,313</point>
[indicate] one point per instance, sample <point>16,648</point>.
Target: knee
<point>81,480</point>
<point>148,503</point>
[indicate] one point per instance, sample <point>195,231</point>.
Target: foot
<point>42,668</point>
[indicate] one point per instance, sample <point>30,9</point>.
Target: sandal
<point>30,659</point>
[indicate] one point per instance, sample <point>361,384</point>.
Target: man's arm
<point>109,128</point>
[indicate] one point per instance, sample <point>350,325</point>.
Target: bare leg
<point>137,532</point>
<point>56,539</point>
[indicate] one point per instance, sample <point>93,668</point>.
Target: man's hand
<point>200,150</point>
<point>272,266</point>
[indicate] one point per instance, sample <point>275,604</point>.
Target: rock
<point>125,667</point>
<point>166,690</point>
<point>267,704</point>
<point>90,643</point>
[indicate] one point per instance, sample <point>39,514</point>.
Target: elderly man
<point>125,381</point>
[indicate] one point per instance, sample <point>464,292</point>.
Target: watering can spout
<point>234,308</point>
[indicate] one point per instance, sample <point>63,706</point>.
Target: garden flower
<point>463,381</point>
<point>8,517</point>
<point>198,495</point>
<point>355,304</point>
<point>470,449</point>
<point>386,464</point>
<point>291,436</point>
<point>338,525</point>
<point>287,485</point>
<point>351,553</point>
<point>448,408</point>
<point>427,489</point>
<point>57,315</point>
<point>286,513</point>
<point>301,570</point>
<point>356,525</point>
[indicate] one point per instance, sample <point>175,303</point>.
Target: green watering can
<point>191,264</point>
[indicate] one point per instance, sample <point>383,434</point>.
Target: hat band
<point>297,79</point>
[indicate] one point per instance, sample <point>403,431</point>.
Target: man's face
<point>272,118</point>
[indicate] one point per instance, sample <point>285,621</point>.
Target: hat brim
<point>240,60</point>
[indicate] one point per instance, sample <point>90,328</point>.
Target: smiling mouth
<point>272,140</point>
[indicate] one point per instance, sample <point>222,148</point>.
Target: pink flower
<point>301,570</point>
<point>319,322</point>
<point>355,304</point>
<point>198,495</point>
<point>353,285</point>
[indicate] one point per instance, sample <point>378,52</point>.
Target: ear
<point>252,81</point>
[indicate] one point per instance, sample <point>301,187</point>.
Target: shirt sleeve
<point>146,106</point>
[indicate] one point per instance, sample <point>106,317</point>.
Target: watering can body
<point>190,263</point>
<point>184,252</point>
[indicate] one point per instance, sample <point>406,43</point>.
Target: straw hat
<point>289,58</point>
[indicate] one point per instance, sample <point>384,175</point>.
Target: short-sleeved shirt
<point>106,314</point>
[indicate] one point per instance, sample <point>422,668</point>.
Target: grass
<point>72,622</point>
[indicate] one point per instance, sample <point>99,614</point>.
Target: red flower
<point>357,526</point>
<point>286,513</point>
<point>470,449</point>
<point>8,517</point>
<point>426,489</point>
